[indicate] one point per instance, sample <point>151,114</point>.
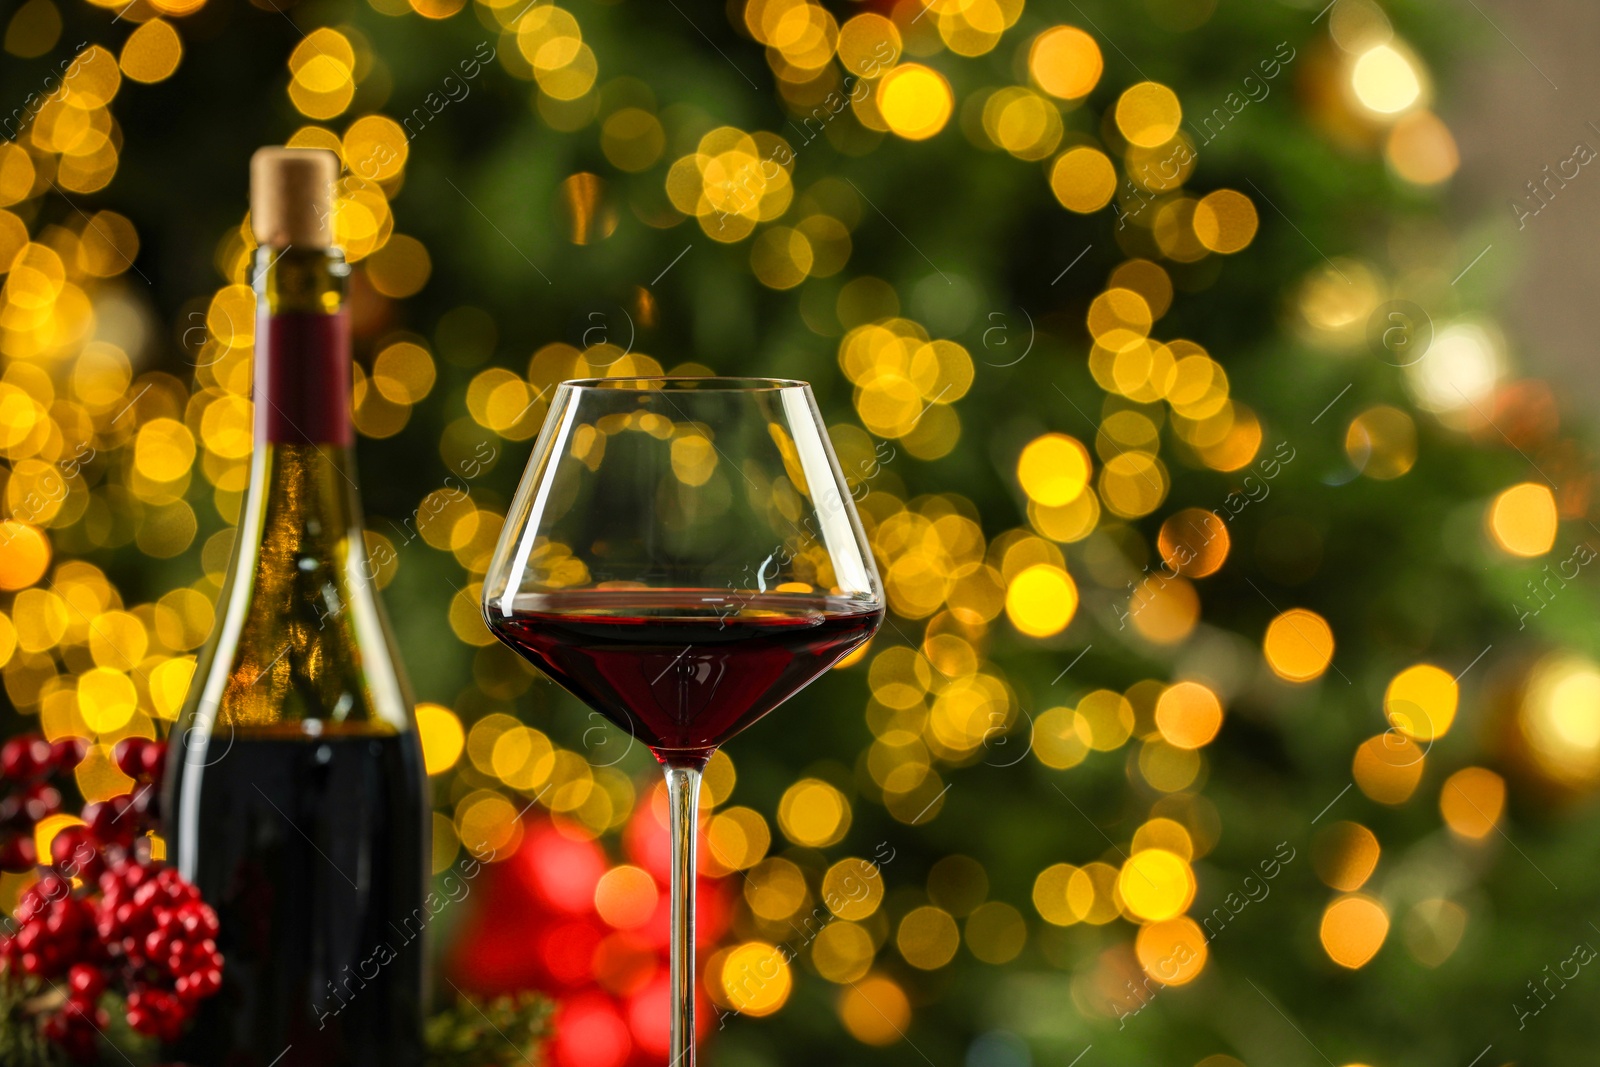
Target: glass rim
<point>685,382</point>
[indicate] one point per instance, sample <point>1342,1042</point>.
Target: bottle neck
<point>303,471</point>
<point>302,349</point>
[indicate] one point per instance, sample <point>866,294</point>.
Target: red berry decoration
<point>25,758</point>
<point>74,853</point>
<point>129,755</point>
<point>103,917</point>
<point>67,753</point>
<point>155,760</point>
<point>18,854</point>
<point>141,759</point>
<point>108,822</point>
<point>86,981</point>
<point>39,800</point>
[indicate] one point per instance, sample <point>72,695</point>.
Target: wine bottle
<point>297,800</point>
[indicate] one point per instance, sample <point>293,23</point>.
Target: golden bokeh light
<point>1042,600</point>
<point>442,737</point>
<point>843,952</point>
<point>875,1011</point>
<point>1164,610</point>
<point>915,101</point>
<point>99,778</point>
<point>1118,316</point>
<point>33,29</point>
<point>1358,26</point>
<point>775,889</point>
<point>1054,469</point>
<point>756,978</point>
<point>1382,442</point>
<point>1386,80</point>
<point>1058,740</point>
<point>1523,519</point>
<point>1065,62</point>
<point>1148,279</point>
<point>1167,768</point>
<point>1188,715</point>
<point>781,258</point>
<point>1558,719</point>
<point>1388,767</point>
<point>1148,114</point>
<point>868,45</point>
<point>738,838</point>
<point>1225,221</point>
<point>107,699</point>
<point>1156,884</point>
<point>1051,897</point>
<point>1463,366</point>
<point>1194,542</point>
<point>95,80</point>
<point>486,822</point>
<point>152,52</point>
<point>1174,230</point>
<point>1421,701</point>
<point>1093,893</point>
<point>1133,484</point>
<point>1344,855</point>
<point>400,267</point>
<point>1172,952</point>
<point>813,813</point>
<point>1022,122</point>
<point>626,897</point>
<point>852,889</point>
<point>1104,720</point>
<point>24,554</point>
<point>323,74</point>
<point>1083,179</point>
<point>1165,834</point>
<point>974,27</point>
<point>1068,523</point>
<point>1298,645</point>
<point>995,933</point>
<point>375,148</point>
<point>1471,802</point>
<point>1421,149</point>
<point>927,937</point>
<point>1353,930</point>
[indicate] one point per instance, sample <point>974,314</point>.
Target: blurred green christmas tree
<point>1237,667</point>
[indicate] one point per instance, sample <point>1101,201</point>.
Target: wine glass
<point>683,555</point>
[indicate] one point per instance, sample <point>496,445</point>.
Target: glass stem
<point>683,800</point>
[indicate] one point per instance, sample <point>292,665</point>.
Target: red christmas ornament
<point>532,924</point>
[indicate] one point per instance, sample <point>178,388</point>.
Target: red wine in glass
<point>684,670</point>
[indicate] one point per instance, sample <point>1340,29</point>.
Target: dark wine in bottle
<point>297,798</point>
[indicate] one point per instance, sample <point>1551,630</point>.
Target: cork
<point>291,196</point>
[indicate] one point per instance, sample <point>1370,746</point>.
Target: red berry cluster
<point>165,938</point>
<point>103,915</point>
<point>27,764</point>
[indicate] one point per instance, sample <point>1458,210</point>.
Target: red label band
<point>302,379</point>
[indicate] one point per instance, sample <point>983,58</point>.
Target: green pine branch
<point>505,1031</point>
<point>21,1044</point>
